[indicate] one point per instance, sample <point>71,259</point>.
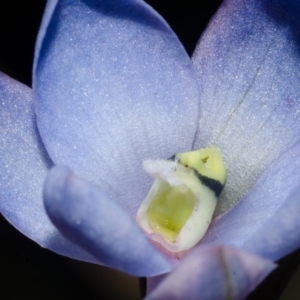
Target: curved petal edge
<point>248,69</point>
<point>24,164</point>
<point>87,217</point>
<point>112,86</point>
<point>214,272</point>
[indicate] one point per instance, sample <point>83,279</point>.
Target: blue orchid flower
<point>113,86</point>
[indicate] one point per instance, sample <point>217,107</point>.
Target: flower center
<point>179,206</point>
<point>170,209</point>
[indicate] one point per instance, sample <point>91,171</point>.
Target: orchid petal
<point>86,216</point>
<point>280,235</point>
<point>248,70</point>
<point>24,164</point>
<point>214,272</point>
<point>113,86</point>
<point>271,204</point>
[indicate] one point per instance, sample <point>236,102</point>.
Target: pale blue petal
<point>112,86</point>
<point>24,164</point>
<point>266,221</point>
<point>86,216</point>
<point>281,234</point>
<point>248,68</point>
<point>214,272</point>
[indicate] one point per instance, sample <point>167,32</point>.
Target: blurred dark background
<point>26,270</point>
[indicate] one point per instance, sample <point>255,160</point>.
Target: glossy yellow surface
<point>169,210</point>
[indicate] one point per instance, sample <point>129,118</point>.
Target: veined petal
<point>267,217</point>
<point>89,218</point>
<point>112,86</point>
<point>248,66</point>
<point>24,164</point>
<point>214,272</point>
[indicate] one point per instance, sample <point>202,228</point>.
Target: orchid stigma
<point>179,206</point>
